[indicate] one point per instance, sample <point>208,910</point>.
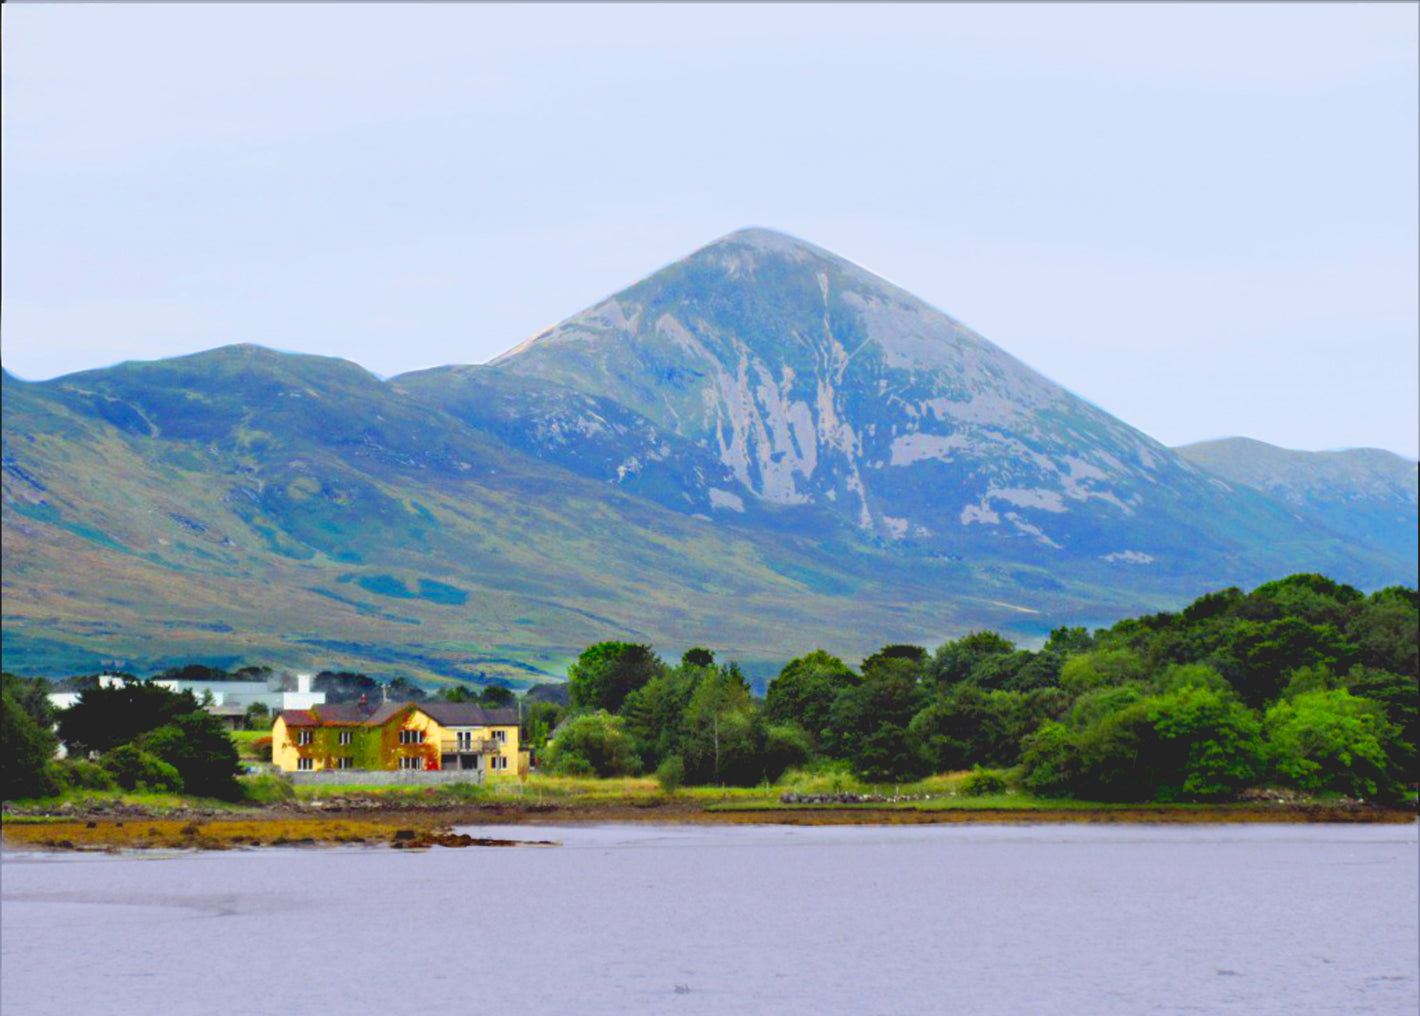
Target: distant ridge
<point>1367,493</point>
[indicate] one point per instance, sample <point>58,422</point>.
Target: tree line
<point>1303,683</point>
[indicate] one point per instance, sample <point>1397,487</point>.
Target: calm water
<point>1077,920</point>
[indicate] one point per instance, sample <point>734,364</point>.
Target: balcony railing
<point>482,746</point>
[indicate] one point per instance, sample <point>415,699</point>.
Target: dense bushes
<point>135,769</point>
<point>594,744</point>
<point>1303,682</point>
<point>147,737</point>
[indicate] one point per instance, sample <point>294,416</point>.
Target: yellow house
<point>404,735</point>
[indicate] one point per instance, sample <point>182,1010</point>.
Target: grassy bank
<point>423,816</point>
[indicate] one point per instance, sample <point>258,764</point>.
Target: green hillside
<point>245,504</point>
<point>762,448</point>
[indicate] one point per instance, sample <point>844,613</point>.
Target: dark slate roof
<point>466,714</point>
<point>448,714</point>
<point>333,714</point>
<point>384,713</point>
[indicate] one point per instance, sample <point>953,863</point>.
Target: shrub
<point>81,774</point>
<point>982,782</point>
<point>785,745</point>
<point>1051,763</point>
<point>1333,741</point>
<point>671,774</point>
<point>198,747</point>
<point>134,769</point>
<point>267,789</point>
<point>596,743</point>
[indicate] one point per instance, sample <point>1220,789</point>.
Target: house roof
<point>335,714</point>
<point>447,714</point>
<point>466,714</point>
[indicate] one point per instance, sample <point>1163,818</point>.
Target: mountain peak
<point>759,240</point>
<point>815,382</point>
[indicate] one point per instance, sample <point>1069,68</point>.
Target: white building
<point>228,694</point>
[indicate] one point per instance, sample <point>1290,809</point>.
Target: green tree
<point>1191,743</point>
<point>964,727</point>
<point>1050,761</point>
<point>199,748</point>
<point>104,718</point>
<point>899,659</point>
<point>135,769</point>
<point>805,690</point>
<point>655,713</point>
<point>1399,695</point>
<point>402,689</point>
<point>540,719</point>
<point>869,722</point>
<point>1268,653</point>
<point>593,744</point>
<point>955,662</point>
<point>722,738</point>
<point>456,693</point>
<point>1209,742</point>
<point>697,658</point>
<point>1329,740</point>
<point>26,744</point>
<point>1069,641</point>
<point>785,745</point>
<point>345,686</point>
<point>1386,633</point>
<point>1102,668</point>
<point>607,672</point>
<point>496,696</point>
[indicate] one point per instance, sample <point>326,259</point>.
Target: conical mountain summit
<point>813,382</point>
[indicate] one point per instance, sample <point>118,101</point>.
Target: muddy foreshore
<point>356,820</point>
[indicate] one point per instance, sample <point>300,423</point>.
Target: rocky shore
<point>378,821</point>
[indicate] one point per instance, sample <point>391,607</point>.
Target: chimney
<point>303,683</point>
<point>364,703</point>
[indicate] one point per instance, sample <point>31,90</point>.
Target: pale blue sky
<point>1202,217</point>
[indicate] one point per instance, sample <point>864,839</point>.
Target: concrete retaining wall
<point>385,777</point>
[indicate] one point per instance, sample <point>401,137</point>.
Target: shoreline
<point>423,826</point>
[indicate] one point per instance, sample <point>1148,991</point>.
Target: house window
<point>411,737</point>
<point>345,736</point>
<point>411,762</point>
<point>305,765</point>
<point>465,740</point>
<point>304,736</point>
<point>345,762</point>
<point>498,762</point>
<point>500,736</point>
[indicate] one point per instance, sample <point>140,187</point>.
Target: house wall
<point>429,750</point>
<point>379,748</point>
<point>509,750</point>
<point>283,751</point>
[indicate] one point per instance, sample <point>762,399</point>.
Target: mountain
<point>815,384</point>
<point>243,504</point>
<point>761,448</point>
<point>1365,493</point>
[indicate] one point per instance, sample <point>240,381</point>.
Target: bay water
<point>1085,920</point>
